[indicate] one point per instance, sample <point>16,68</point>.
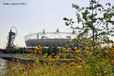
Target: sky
<point>35,16</point>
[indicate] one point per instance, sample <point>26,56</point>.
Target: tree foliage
<point>95,19</point>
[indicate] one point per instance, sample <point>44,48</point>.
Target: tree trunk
<point>93,35</point>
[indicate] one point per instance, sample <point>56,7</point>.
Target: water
<point>2,65</point>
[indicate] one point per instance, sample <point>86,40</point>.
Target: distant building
<point>49,38</point>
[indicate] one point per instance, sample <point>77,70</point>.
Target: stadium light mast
<point>57,31</point>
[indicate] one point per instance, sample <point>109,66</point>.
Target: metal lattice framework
<point>49,38</point>
<point>11,37</point>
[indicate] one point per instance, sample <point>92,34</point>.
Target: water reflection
<point>2,65</point>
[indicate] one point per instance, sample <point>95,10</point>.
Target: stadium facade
<point>47,39</point>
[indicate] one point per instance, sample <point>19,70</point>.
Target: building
<point>49,38</point>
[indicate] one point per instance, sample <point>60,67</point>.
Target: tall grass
<point>90,59</point>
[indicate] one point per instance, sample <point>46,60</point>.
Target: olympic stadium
<point>47,39</point>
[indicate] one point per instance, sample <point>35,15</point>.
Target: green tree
<point>95,19</point>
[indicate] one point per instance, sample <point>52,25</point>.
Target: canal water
<point>2,65</point>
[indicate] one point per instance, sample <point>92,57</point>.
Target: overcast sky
<point>35,16</point>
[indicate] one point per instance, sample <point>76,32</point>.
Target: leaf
<point>77,28</point>
<point>70,19</point>
<point>78,17</point>
<point>113,7</point>
<point>66,19</point>
<point>108,4</point>
<point>84,16</point>
<point>93,1</point>
<point>82,8</point>
<point>99,5</point>
<point>99,9</point>
<point>67,24</point>
<point>75,6</point>
<point>94,20</point>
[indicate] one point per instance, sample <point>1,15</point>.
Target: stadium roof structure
<point>49,38</point>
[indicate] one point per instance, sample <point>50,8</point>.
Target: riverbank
<point>21,58</point>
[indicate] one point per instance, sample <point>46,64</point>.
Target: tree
<point>93,19</point>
